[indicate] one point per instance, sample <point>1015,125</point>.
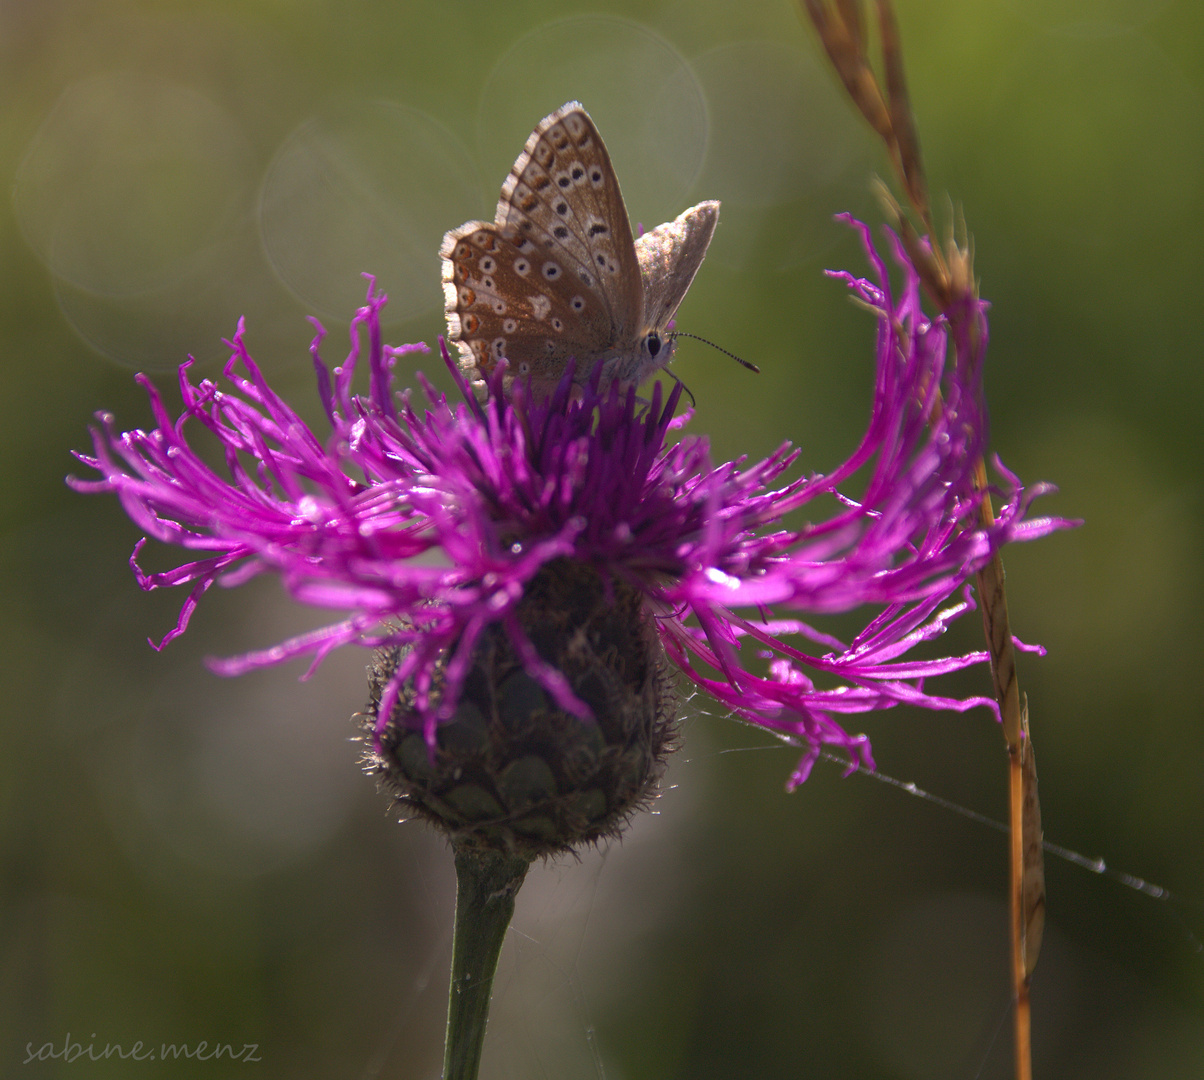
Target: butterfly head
<point>648,352</point>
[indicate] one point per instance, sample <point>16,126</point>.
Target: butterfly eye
<point>653,341</point>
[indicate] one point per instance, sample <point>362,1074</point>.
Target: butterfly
<point>557,274</point>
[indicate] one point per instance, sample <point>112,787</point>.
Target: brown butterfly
<point>557,274</point>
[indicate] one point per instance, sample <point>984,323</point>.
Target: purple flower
<point>424,522</point>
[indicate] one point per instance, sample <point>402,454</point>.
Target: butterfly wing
<point>500,303</point>
<point>669,257</point>
<point>555,275</point>
<point>563,197</point>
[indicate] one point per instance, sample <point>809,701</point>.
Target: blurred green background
<point>187,858</point>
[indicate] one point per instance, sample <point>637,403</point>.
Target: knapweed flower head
<point>532,570</point>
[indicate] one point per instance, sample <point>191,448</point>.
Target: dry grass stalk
<point>947,273</point>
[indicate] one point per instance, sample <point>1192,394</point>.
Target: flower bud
<point>512,770</point>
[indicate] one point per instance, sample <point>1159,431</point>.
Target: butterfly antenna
<point>739,359</point>
<point>689,392</point>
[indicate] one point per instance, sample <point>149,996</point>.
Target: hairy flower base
<point>512,771</point>
<point>427,525</point>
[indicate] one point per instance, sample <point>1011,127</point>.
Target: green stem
<point>486,884</point>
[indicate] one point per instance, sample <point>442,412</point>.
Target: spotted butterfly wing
<point>555,275</point>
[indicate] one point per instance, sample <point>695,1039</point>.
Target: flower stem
<point>486,884</point>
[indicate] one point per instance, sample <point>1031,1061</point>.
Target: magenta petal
<point>421,525</point>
